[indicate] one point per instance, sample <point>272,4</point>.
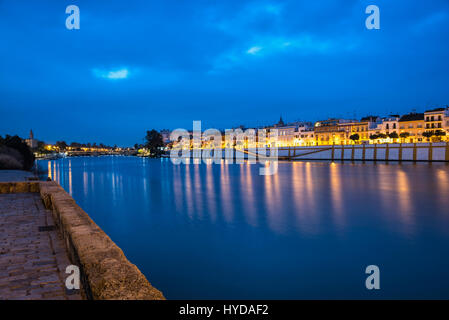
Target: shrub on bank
<point>15,154</point>
<point>9,162</point>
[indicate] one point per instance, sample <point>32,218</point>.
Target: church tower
<point>281,122</point>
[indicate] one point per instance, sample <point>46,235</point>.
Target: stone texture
<point>107,274</point>
<point>105,271</point>
<point>32,263</point>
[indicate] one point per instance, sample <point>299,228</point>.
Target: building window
<point>394,125</point>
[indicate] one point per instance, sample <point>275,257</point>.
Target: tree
<point>374,136</point>
<point>22,154</point>
<point>404,135</point>
<point>154,143</point>
<point>393,135</point>
<point>354,137</point>
<point>428,134</point>
<point>41,147</point>
<point>61,145</point>
<point>382,136</point>
<point>439,134</point>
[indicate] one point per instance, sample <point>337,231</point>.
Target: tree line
<point>15,154</point>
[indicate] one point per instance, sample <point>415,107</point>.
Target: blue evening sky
<point>137,65</point>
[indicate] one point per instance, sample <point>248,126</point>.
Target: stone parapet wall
<point>19,187</point>
<point>105,271</point>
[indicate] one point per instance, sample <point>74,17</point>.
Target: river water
<point>209,231</point>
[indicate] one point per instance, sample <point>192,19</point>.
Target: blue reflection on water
<point>223,231</point>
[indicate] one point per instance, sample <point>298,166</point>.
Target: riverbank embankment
<point>29,209</point>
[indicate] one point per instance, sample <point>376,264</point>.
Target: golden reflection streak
<point>336,193</point>
<point>298,192</point>
<point>310,214</point>
<point>309,187</point>
<point>443,187</point>
<point>177,187</point>
<point>270,201</point>
<point>85,183</point>
<point>197,190</point>
<point>189,195</point>
<point>246,181</point>
<point>210,193</point>
<point>92,182</point>
<point>49,170</point>
<point>70,178</point>
<point>55,174</point>
<point>226,193</point>
<point>405,201</point>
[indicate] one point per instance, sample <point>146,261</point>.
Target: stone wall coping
<point>105,271</point>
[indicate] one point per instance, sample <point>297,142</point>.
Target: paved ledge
<point>105,271</point>
<point>32,261</point>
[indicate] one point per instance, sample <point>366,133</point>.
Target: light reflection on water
<point>224,231</point>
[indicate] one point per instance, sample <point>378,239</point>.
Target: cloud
<point>261,30</point>
<point>254,50</point>
<point>116,74</point>
<point>264,47</point>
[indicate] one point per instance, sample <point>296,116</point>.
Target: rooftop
<point>412,117</point>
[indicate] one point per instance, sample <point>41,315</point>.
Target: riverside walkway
<point>33,258</point>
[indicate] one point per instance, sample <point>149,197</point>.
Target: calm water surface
<point>223,231</point>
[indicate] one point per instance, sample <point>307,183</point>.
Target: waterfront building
<point>434,118</point>
<point>411,127</point>
<point>372,129</point>
<point>286,135</point>
<point>290,134</point>
<point>365,127</point>
<point>389,124</point>
<point>306,138</point>
<point>446,119</point>
<point>384,128</point>
<point>333,131</point>
<point>305,135</point>
<point>437,120</point>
